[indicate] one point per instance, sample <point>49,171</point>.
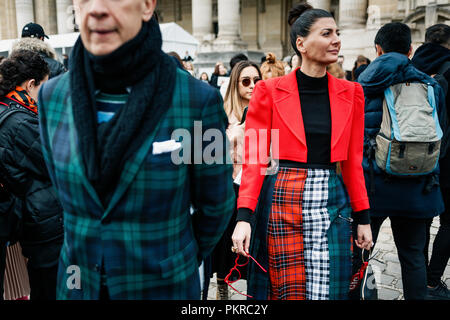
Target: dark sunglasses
<point>235,268</point>
<point>246,81</point>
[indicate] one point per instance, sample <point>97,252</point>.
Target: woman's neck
<point>313,69</point>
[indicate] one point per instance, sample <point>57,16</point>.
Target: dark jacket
<point>24,174</point>
<point>430,58</point>
<point>360,70</point>
<point>213,81</point>
<point>388,195</point>
<point>56,67</point>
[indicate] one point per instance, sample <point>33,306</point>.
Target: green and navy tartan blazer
<point>149,242</point>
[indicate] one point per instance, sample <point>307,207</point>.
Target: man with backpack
<point>433,58</point>
<point>405,134</point>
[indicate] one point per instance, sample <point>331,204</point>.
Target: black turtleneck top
<point>316,114</point>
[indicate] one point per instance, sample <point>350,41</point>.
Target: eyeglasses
<point>246,81</point>
<point>235,268</point>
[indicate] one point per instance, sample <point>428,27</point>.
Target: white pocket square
<point>165,146</point>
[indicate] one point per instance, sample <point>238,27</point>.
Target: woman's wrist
<point>361,217</point>
<point>245,214</point>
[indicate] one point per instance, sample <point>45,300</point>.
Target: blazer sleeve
<point>352,171</point>
<point>44,96</point>
<point>257,140</point>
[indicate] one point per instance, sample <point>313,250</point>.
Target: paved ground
<point>385,260</point>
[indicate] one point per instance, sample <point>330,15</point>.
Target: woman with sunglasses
<point>244,76</point>
<point>310,122</point>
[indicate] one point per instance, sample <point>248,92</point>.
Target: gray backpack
<point>409,140</point>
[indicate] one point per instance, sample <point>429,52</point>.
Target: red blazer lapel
<point>287,102</point>
<point>341,107</point>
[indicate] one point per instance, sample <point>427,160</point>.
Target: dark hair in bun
<point>301,17</point>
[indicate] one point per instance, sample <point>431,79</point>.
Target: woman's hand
<point>364,240</point>
<point>241,237</point>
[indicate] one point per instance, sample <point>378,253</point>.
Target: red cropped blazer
<point>275,104</point>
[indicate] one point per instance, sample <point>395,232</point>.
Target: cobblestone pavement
<point>385,264</point>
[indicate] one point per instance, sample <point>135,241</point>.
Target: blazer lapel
<point>130,170</point>
<point>341,108</point>
<point>78,161</point>
<point>287,102</point>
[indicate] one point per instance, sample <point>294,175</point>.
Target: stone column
<point>229,26</point>
<point>272,28</point>
<point>250,23</point>
<point>321,4</point>
<point>24,14</point>
<point>202,25</point>
<point>64,16</point>
<point>380,12</point>
<point>431,16</point>
<point>352,14</point>
<point>8,25</point>
<point>45,15</point>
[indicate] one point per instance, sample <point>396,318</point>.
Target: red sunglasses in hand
<point>235,268</point>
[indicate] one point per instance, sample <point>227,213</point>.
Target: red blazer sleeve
<point>257,139</point>
<point>352,171</point>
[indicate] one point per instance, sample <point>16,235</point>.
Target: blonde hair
<point>233,101</point>
<point>273,66</point>
<point>335,70</point>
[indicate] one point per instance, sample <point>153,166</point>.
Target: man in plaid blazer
<point>107,128</point>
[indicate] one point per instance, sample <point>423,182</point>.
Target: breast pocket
<point>165,153</point>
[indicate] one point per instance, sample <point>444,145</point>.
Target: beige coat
<point>235,133</point>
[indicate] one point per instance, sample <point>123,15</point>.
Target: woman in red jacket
<point>310,122</point>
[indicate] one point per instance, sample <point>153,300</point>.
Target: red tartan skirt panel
<point>285,237</point>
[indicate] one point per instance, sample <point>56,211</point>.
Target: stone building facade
<point>251,26</point>
<point>261,25</point>
<point>55,16</point>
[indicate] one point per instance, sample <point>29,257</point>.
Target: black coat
<point>213,81</point>
<point>56,67</point>
<point>430,58</point>
<point>24,175</point>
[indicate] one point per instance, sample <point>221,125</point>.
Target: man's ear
<point>149,8</point>
<point>379,50</point>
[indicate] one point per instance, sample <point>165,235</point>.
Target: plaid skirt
<point>303,235</point>
<point>16,284</point>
